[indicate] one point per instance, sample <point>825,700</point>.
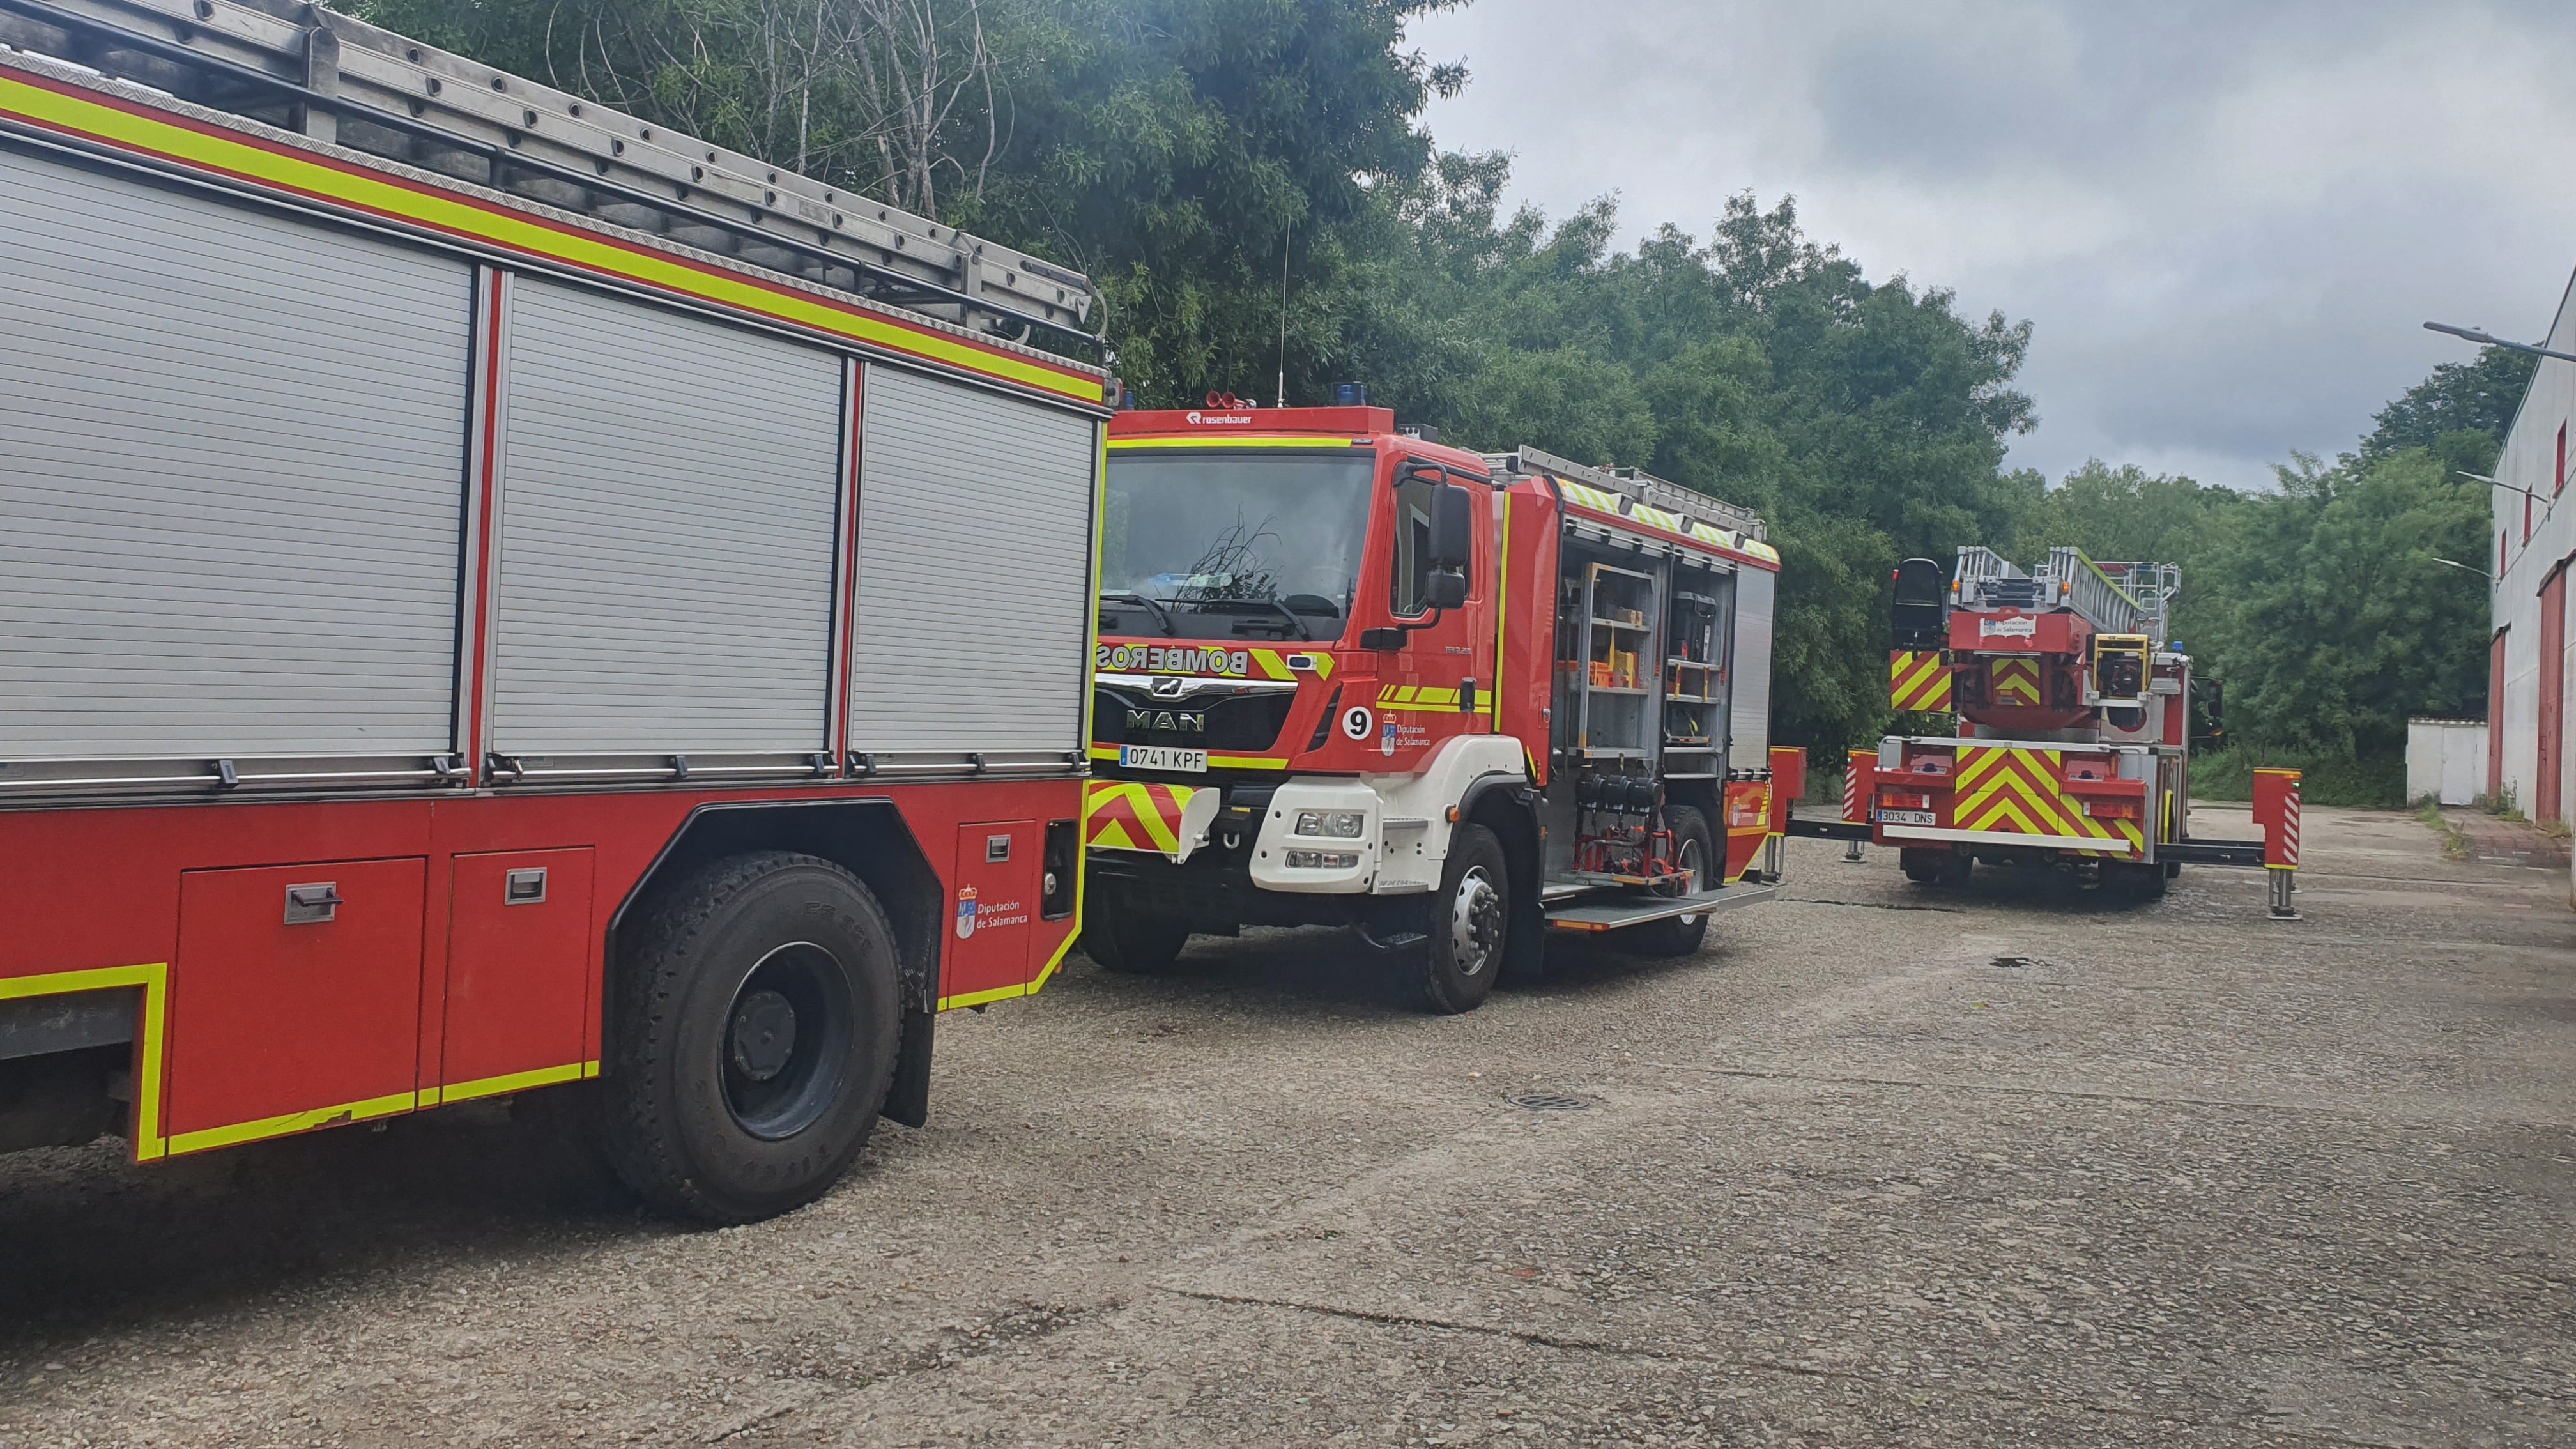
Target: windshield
<point>1237,545</point>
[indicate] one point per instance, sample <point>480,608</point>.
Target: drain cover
<point>2014,963</point>
<point>1548,1102</point>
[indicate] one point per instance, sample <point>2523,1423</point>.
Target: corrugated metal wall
<point>1751,713</point>
<point>974,570</point>
<point>230,460</point>
<point>669,488</point>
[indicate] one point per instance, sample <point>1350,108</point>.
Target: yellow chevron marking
<point>2017,681</point>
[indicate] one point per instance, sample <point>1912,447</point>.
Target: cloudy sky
<point>2227,220</point>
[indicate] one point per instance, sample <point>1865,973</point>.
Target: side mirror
<point>1453,532</point>
<point>1448,589</point>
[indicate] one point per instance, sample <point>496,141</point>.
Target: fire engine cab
<point>1349,675</point>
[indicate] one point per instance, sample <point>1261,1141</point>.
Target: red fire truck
<point>2072,745</point>
<point>496,594</point>
<point>1348,675</point>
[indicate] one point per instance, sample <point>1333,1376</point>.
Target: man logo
<point>1167,686</point>
<point>1181,720</point>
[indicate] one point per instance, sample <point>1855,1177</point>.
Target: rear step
<point>1611,915</point>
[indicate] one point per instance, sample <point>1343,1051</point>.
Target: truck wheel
<point>2134,880</point>
<point>1682,935</point>
<point>1469,920</point>
<point>1132,942</point>
<point>1947,869</point>
<point>753,1037</point>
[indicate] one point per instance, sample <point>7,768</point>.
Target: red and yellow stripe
<point>1918,680</point>
<point>2016,682</point>
<point>2018,791</point>
<point>1140,815</point>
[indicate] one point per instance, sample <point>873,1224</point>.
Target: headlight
<point>1322,860</point>
<point>1332,824</point>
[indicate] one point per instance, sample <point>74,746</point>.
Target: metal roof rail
<point>337,79</point>
<point>1654,492</point>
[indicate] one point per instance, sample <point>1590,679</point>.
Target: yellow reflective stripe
<point>154,979</point>
<point>1235,441</point>
<point>978,998</point>
<point>512,1082</point>
<point>279,163</point>
<point>1272,666</point>
<point>372,1107</point>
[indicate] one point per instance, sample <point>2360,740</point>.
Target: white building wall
<point>2530,460</point>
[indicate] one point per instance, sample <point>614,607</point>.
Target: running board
<point>2211,852</point>
<point>1611,915</point>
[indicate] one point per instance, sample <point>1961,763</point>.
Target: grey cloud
<point>2224,220</point>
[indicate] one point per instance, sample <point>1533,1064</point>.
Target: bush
<point>2373,781</point>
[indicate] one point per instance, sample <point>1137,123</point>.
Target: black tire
<point>1923,867</point>
<point>2133,880</point>
<point>1955,871</point>
<point>1131,942</point>
<point>753,1037</point>
<point>1682,935</point>
<point>1470,921</point>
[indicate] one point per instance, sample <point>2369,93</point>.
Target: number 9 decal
<point>1356,722</point>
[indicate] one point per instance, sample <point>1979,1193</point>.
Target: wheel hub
<point>1475,923</point>
<point>763,1035</point>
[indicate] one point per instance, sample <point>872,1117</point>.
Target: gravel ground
<point>1880,1167</point>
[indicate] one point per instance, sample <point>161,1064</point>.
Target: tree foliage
<point>2334,622</point>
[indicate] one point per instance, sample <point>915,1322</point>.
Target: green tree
<point>2335,622</point>
<point>2129,513</point>
<point>2460,397</point>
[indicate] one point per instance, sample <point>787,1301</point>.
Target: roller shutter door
<point>1750,717</point>
<point>670,488</point>
<point>974,606</point>
<point>231,468</point>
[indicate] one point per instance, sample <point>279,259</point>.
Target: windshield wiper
<point>1295,620</point>
<point>1161,615</point>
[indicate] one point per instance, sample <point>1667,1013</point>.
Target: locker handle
<point>313,903</point>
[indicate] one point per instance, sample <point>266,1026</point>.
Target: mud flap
<point>908,1099</point>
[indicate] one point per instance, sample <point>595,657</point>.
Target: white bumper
<point>1404,837</point>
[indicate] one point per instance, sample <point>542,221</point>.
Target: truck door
<point>1440,681</point>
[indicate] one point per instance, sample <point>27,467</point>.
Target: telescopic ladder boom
<point>2115,598</point>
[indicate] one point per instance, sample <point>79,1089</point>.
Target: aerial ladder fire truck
<point>502,599</point>
<point>1349,675</point>
<point>2071,747</point>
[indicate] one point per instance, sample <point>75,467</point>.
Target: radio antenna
<point>1282,394</point>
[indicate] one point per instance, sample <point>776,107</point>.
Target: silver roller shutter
<point>1750,718</point>
<point>231,468</point>
<point>974,570</point>
<point>669,489</point>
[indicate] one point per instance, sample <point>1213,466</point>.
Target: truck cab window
<point>1413,503</point>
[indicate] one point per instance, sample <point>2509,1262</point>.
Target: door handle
<point>1466,696</point>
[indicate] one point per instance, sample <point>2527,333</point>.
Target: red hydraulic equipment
<point>2071,745</point>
